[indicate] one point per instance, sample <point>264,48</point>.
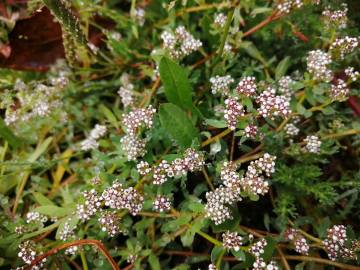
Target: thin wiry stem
<point>82,242</point>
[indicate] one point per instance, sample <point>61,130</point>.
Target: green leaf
<point>216,123</point>
<point>8,135</point>
<point>282,67</point>
<point>154,262</point>
<point>269,249</point>
<point>215,253</point>
<point>41,199</point>
<point>109,115</point>
<point>178,125</point>
<point>53,211</point>
<point>176,83</point>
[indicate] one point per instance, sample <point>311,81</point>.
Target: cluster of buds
<point>247,86</point>
<point>212,267</point>
<point>352,74</point>
<point>342,46</point>
<point>335,243</point>
<point>258,248</point>
<point>337,18</point>
<point>109,222</point>
<point>138,118</point>
<point>233,111</point>
<point>181,43</point>
<point>91,142</point>
<point>192,161</point>
<point>339,90</point>
<point>300,243</point>
<point>313,144</point>
<point>132,145</point>
<point>143,168</point>
<point>36,217</point>
<point>221,84</point>
<point>217,200</point>
<point>232,240</point>
<point>254,182</point>
<point>67,232</point>
<point>126,91</point>
<point>117,197</point>
<point>285,6</point>
<point>251,131</point>
<point>140,16</point>
<point>28,254</point>
<point>91,205</point>
<point>71,250</point>
<point>285,84</point>
<point>317,62</point>
<point>272,105</point>
<point>31,101</point>
<point>291,130</point>
<point>162,204</point>
<point>220,20</point>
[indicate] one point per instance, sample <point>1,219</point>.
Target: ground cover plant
<point>180,135</point>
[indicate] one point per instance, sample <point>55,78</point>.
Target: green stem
<point>225,34</point>
<point>218,262</point>
<point>83,261</point>
<point>209,238</point>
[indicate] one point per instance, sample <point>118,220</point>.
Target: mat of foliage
<point>180,135</point>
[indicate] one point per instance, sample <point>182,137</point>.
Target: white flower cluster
<point>285,84</point>
<point>352,73</point>
<point>131,143</point>
<point>109,222</point>
<point>140,16</point>
<point>126,91</point>
<point>91,142</point>
<point>91,205</point>
<point>272,105</point>
<point>251,131</point>
<point>137,118</point>
<point>335,243</point>
<point>28,254</point>
<point>216,208</point>
<point>221,84</point>
<point>233,111</point>
<point>313,144</point>
<point>247,86</point>
<point>317,62</point>
<point>220,20</point>
<point>162,204</point>
<point>67,232</point>
<point>191,162</point>
<point>212,267</point>
<point>116,197</point>
<point>291,130</point>
<point>337,18</point>
<point>134,147</point>
<point>254,182</point>
<point>232,240</point>
<point>36,217</point>
<point>181,43</point>
<point>339,90</point>
<point>300,243</point>
<point>32,101</point>
<point>343,46</point>
<point>285,6</point>
<point>257,249</point>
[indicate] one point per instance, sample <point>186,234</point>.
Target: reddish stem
<point>274,16</point>
<point>82,242</point>
<point>354,105</point>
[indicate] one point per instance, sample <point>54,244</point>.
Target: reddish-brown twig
<point>81,242</point>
